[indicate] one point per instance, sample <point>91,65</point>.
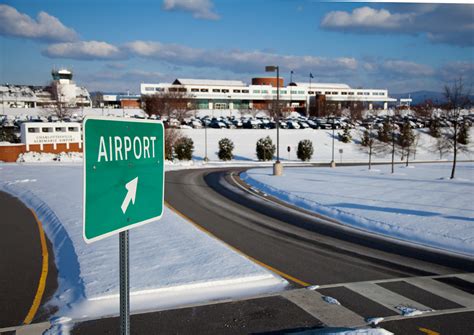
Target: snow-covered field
<point>418,203</point>
<point>245,141</point>
<point>172,263</point>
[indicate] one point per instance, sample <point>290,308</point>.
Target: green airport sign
<point>123,175</point>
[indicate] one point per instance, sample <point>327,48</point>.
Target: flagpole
<point>291,88</point>
<point>309,94</point>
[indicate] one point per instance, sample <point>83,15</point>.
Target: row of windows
<point>51,130</point>
<point>218,90</point>
<point>224,90</point>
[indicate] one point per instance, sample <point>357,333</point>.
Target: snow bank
<point>46,157</point>
<point>417,204</point>
<point>172,263</point>
<point>350,331</point>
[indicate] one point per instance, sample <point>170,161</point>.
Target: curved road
<point>300,246</point>
<point>21,264</point>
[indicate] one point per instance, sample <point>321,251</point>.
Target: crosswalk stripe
<point>385,297</point>
<point>442,290</point>
<point>467,276</point>
<point>330,314</point>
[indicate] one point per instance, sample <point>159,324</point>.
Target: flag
<point>311,75</point>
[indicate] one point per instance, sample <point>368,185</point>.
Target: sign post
<point>123,185</point>
<point>124,284</point>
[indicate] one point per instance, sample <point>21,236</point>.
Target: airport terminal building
<point>62,90</point>
<point>233,94</point>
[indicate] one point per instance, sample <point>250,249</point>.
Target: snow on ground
<point>419,204</point>
<point>172,263</point>
<point>346,331</point>
<point>79,113</point>
<point>245,154</point>
<point>245,141</point>
<point>331,300</point>
<point>410,311</point>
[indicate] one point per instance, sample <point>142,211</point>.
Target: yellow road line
<point>284,275</point>
<point>428,331</point>
<point>44,274</point>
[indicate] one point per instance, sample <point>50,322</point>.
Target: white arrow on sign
<point>131,187</point>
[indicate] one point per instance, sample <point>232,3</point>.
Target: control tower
<point>65,90</point>
<point>63,76</point>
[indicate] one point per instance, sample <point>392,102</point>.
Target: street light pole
<point>278,114</point>
<point>205,142</point>
<point>333,163</point>
<point>277,167</point>
<point>291,94</point>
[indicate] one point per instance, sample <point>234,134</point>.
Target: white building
<point>67,92</point>
<point>62,89</point>
<point>230,94</point>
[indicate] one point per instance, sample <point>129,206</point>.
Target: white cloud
<point>119,81</point>
<point>449,24</point>
<point>84,50</point>
<point>454,70</point>
<point>236,60</point>
<point>366,18</point>
<point>406,68</point>
<point>201,9</point>
<point>45,27</point>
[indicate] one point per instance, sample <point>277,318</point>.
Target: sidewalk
<point>260,315</point>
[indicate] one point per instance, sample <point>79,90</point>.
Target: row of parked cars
<point>302,122</point>
<point>413,121</point>
<point>259,123</point>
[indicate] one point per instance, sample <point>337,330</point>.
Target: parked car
<point>293,125</point>
<point>303,125</point>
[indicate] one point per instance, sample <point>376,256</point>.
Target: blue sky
<point>116,45</point>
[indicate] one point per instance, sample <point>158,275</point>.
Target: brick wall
<point>9,153</point>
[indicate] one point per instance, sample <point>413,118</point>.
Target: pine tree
<point>184,148</point>
<point>365,141</point>
<point>265,149</point>
<point>345,137</point>
<point>385,134</point>
<point>225,149</point>
<point>305,150</point>
<point>406,139</point>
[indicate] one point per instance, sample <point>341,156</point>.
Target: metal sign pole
<point>124,285</point>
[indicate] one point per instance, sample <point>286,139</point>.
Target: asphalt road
<point>21,264</point>
<point>296,244</point>
<point>306,250</point>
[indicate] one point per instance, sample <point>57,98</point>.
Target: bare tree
<point>171,104</point>
<point>97,98</point>
<point>276,109</point>
<point>424,109</point>
<point>457,98</point>
<point>59,110</point>
<point>406,140</point>
<point>368,143</point>
<point>415,144</point>
<point>387,137</point>
<point>441,146</point>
